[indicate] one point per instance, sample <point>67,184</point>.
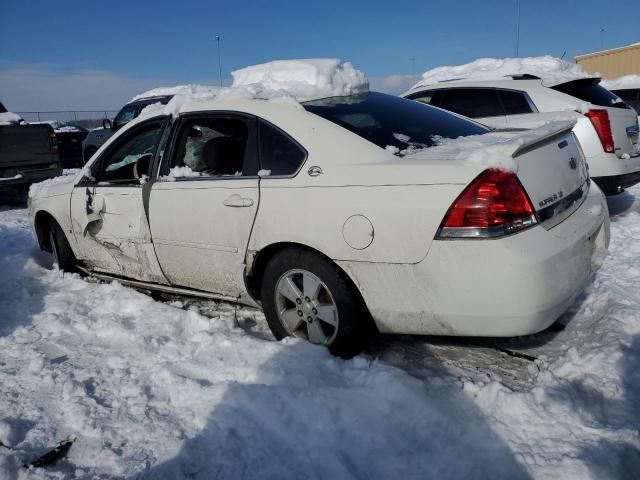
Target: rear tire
<point>60,249</point>
<point>304,294</point>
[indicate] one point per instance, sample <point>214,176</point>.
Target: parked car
<point>95,138</point>
<point>627,88</point>
<point>321,216</point>
<point>28,153</point>
<point>69,138</point>
<point>607,128</point>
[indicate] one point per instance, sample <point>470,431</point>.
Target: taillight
<point>600,120</point>
<point>53,142</point>
<point>493,205</point>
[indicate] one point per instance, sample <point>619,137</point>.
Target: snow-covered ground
<point>166,388</point>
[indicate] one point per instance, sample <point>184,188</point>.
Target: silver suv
<point>607,128</point>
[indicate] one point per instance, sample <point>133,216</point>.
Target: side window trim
<point>252,144</point>
<point>261,120</point>
<point>117,144</point>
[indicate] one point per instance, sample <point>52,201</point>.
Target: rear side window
<point>2,108</point>
<point>279,154</point>
<point>589,90</point>
<point>386,120</point>
<point>472,102</point>
<point>631,97</point>
<point>514,103</point>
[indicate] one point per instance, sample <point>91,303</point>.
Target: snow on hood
<point>628,81</point>
<point>494,149</point>
<point>9,118</point>
<point>309,79</point>
<point>288,81</point>
<point>55,185</point>
<point>551,70</point>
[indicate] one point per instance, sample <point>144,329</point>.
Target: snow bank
<point>9,118</point>
<point>309,79</point>
<point>552,70</point>
<point>178,390</point>
<point>628,81</point>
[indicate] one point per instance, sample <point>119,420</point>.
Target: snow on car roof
<point>307,79</point>
<point>628,81</point>
<point>191,89</point>
<point>290,81</point>
<point>9,118</point>
<point>552,70</point>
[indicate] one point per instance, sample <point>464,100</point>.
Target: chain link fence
<point>83,118</point>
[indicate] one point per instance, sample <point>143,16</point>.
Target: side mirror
<point>106,124</point>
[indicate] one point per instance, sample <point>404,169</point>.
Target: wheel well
<point>253,280</point>
<point>42,225</point>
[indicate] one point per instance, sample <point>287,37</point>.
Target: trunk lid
<point>553,171</point>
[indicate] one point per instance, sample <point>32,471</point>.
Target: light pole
<point>219,62</point>
<point>517,28</point>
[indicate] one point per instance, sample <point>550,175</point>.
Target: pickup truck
<point>28,153</point>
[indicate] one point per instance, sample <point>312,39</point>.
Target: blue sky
<point>135,43</point>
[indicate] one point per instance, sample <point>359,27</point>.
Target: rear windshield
<point>630,96</point>
<point>589,90</point>
<point>395,122</point>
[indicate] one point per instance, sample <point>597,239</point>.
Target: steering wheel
<point>141,165</point>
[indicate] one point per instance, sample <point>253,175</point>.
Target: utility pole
<point>219,62</point>
<point>602,31</point>
<point>517,28</point>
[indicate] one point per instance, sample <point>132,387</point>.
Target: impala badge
<point>573,163</point>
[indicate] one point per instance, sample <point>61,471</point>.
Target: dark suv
<point>131,110</point>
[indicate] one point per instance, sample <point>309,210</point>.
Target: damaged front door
<point>107,207</point>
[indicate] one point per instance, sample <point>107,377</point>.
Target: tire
<point>341,320</point>
<point>60,249</point>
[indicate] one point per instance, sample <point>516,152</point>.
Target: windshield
<point>589,90</point>
<point>128,113</point>
<point>393,123</point>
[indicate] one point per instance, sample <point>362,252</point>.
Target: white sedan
<point>326,217</point>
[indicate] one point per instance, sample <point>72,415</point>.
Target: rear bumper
<point>29,175</point>
<point>517,285</point>
<point>612,184</point>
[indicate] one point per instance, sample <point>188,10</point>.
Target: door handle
<point>237,201</point>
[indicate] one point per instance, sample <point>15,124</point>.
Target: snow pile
<point>287,81</point>
<point>492,150</point>
<point>182,390</point>
<point>628,81</point>
<point>552,70</point>
<point>309,79</point>
<point>9,118</point>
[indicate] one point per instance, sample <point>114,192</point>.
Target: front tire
<point>306,295</point>
<point>60,249</point>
